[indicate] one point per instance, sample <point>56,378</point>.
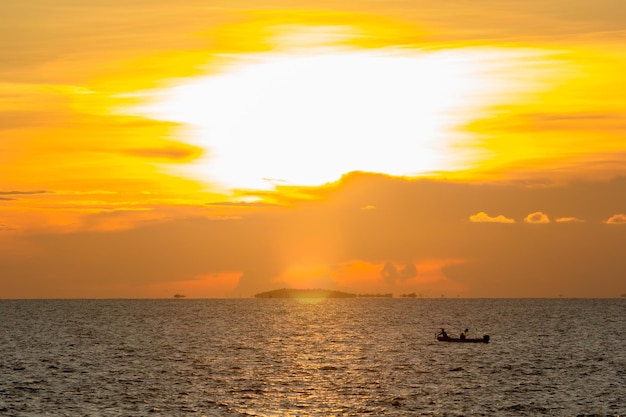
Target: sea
<point>315,357</point>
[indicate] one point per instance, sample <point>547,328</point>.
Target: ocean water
<point>334,357</point>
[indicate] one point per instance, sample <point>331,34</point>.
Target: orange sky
<point>464,149</point>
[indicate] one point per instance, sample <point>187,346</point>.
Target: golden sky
<point>224,148</point>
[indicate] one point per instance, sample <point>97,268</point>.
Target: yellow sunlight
<point>310,114</point>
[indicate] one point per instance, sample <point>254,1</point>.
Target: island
<point>295,293</point>
<point>315,293</point>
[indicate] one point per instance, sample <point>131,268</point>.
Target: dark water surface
<point>337,357</point>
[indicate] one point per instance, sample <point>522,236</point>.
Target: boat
<point>484,339</point>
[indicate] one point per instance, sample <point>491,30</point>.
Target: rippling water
<point>338,357</point>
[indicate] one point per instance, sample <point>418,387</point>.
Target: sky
<point>225,148</point>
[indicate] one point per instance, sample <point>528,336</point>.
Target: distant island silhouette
<point>315,293</point>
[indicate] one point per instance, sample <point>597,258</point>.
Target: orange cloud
<point>178,153</point>
<point>616,219</point>
<point>483,217</point>
<point>537,218</point>
<point>568,220</point>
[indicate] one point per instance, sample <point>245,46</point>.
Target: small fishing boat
<point>442,336</point>
<point>484,339</point>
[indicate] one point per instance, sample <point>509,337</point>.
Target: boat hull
<point>484,339</point>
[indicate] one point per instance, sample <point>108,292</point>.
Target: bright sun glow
<point>307,119</point>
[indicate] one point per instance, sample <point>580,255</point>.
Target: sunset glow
<point>308,118</point>
<point>223,150</point>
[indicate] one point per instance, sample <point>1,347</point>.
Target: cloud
<point>368,207</point>
<point>537,218</point>
<point>12,194</point>
<point>391,274</point>
<point>178,153</point>
<point>408,271</point>
<point>90,192</point>
<point>616,219</point>
<point>483,217</point>
<point>23,192</point>
<point>580,121</point>
<point>568,220</point>
<point>241,204</point>
<point>21,119</point>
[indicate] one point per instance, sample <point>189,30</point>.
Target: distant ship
<point>179,296</point>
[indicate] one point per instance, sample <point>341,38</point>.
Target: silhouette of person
<point>443,333</point>
<point>463,334</point>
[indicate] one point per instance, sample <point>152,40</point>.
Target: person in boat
<point>464,334</point>
<point>443,334</point>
